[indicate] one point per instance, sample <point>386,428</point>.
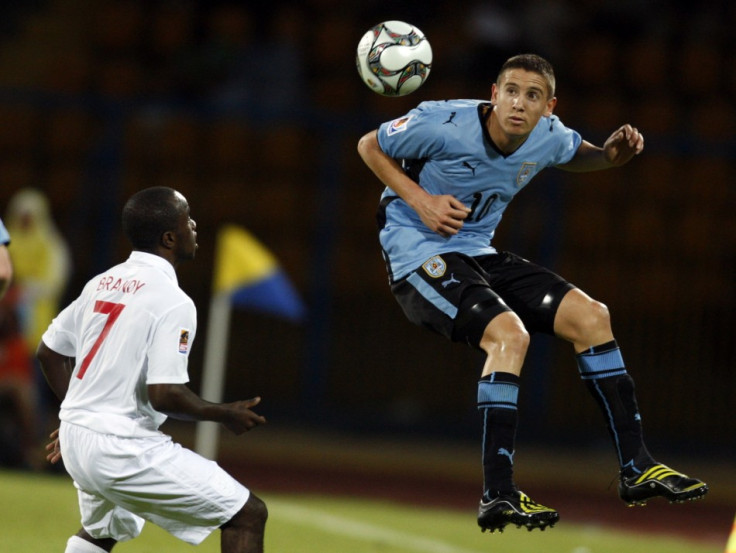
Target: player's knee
<point>597,316</point>
<point>258,509</point>
<point>518,340</point>
<point>251,517</point>
<point>506,331</point>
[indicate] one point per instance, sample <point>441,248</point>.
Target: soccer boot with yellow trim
<point>660,480</point>
<point>515,508</point>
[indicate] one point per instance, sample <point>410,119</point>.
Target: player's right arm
<point>179,402</point>
<point>443,214</point>
<point>56,368</point>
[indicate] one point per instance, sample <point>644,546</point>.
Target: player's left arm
<point>625,143</point>
<point>179,402</point>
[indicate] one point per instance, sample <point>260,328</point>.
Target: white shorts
<point>123,482</point>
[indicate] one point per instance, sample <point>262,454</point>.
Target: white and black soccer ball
<point>394,58</point>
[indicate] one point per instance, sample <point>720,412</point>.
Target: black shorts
<point>457,296</point>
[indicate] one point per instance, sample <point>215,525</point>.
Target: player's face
<point>186,232</point>
<point>520,100</point>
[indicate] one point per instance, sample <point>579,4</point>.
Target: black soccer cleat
<point>515,508</point>
<point>660,481</point>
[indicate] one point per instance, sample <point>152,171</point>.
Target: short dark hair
<point>533,63</point>
<point>148,214</point>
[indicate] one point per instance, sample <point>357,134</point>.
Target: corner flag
<point>248,276</point>
<point>731,545</point>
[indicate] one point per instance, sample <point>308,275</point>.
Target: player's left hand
<point>622,145</point>
<point>240,418</point>
<point>54,451</point>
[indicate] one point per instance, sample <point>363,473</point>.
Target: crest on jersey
<point>184,340</point>
<point>435,266</point>
<point>399,125</point>
<point>525,173</point>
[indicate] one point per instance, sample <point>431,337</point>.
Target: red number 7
<point>112,310</point>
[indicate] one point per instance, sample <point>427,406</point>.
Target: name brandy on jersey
<point>112,284</point>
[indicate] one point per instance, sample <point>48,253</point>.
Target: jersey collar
<point>152,260</point>
<point>484,114</point>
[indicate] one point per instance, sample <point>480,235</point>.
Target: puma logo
<point>505,452</point>
<point>466,164</point>
<point>450,119</point>
<point>451,280</point>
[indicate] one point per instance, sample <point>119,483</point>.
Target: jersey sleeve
<point>413,136</point>
<point>171,343</point>
<point>4,236</point>
<point>60,336</point>
<point>568,141</point>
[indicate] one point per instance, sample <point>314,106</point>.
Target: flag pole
<point>213,374</point>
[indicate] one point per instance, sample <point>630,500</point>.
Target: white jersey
<point>131,326</point>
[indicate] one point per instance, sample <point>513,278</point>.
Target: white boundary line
<point>360,530</point>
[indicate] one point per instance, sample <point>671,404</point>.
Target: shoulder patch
<point>399,125</point>
<point>435,266</point>
<point>184,340</point>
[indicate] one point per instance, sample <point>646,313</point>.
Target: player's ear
<point>168,239</point>
<point>494,94</point>
<point>551,103</point>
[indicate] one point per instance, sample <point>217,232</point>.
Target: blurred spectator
<point>6,266</point>
<point>17,397</point>
<point>41,261</point>
<point>41,264</point>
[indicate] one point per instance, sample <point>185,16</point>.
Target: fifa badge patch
<point>184,340</point>
<point>435,266</point>
<point>399,125</point>
<point>525,173</point>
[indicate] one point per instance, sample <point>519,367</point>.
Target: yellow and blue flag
<point>246,270</point>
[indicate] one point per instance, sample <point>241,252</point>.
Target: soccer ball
<point>394,58</point>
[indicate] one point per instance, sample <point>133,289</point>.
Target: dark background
<point>253,111</point>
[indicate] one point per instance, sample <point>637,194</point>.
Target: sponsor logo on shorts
<point>435,266</point>
<point>184,340</point>
<point>399,125</point>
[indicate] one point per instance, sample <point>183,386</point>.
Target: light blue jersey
<point>4,236</point>
<point>445,147</point>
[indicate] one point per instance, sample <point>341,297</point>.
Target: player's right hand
<point>241,418</point>
<point>443,214</point>
<point>54,451</point>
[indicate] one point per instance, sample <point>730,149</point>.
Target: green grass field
<point>39,512</point>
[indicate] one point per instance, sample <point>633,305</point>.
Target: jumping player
<point>450,169</point>
<point>117,358</point>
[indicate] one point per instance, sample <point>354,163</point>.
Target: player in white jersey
<point>450,169</point>
<point>117,358</point>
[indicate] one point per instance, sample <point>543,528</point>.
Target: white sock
<point>75,544</point>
